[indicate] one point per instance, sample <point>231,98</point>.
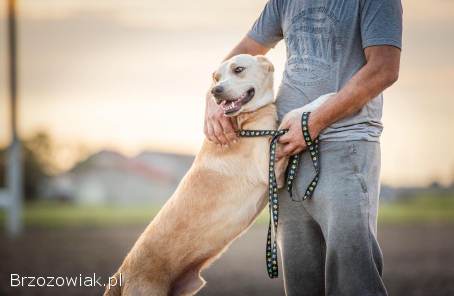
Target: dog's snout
<point>217,90</point>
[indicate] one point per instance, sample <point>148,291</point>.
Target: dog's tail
<point>114,287</point>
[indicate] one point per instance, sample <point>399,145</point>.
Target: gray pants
<point>328,243</point>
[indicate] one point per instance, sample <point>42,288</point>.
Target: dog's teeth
<point>230,105</point>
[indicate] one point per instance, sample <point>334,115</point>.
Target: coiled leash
<point>273,202</point>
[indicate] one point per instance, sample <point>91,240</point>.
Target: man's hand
<point>218,128</point>
<point>293,141</point>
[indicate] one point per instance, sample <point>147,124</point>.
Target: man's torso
<point>324,50</point>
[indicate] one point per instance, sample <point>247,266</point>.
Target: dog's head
<point>243,83</point>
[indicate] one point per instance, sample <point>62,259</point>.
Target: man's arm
<point>219,128</point>
<point>380,71</point>
<point>247,45</point>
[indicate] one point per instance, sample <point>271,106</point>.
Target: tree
<point>2,168</point>
<point>37,162</point>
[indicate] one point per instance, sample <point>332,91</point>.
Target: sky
<point>131,75</point>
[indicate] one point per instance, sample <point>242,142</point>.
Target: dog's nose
<point>217,90</point>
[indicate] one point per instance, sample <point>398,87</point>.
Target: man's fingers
<point>288,149</point>
<point>234,123</point>
<point>284,150</point>
<point>228,130</point>
<point>297,150</point>
<point>285,138</point>
<point>220,131</point>
<point>279,153</point>
<point>205,128</point>
<point>210,133</point>
<point>285,124</point>
<point>219,134</point>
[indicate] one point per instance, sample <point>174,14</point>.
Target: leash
<point>273,201</point>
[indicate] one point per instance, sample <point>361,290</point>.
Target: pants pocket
<point>355,160</point>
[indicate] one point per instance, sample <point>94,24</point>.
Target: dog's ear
<point>215,76</point>
<point>265,63</point>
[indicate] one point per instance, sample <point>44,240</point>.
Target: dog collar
<point>290,174</point>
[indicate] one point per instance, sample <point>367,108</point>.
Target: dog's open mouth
<point>233,105</point>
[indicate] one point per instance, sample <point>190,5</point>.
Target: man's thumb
<point>284,124</point>
<point>234,122</point>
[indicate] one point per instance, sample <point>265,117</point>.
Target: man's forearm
<point>380,72</point>
<point>247,45</point>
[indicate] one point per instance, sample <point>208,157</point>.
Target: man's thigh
<point>349,185</point>
<point>342,211</point>
<point>302,249</point>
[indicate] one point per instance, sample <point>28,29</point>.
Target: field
<point>431,209</point>
<point>417,239</point>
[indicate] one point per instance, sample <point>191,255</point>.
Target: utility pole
<point>11,198</point>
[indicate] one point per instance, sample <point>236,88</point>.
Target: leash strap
<point>273,201</point>
<point>314,153</point>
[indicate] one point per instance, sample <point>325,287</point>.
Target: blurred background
<point>102,151</point>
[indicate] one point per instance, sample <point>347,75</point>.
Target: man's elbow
<point>391,76</point>
<point>385,60</point>
<point>388,74</point>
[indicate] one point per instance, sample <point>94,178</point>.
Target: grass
<point>422,209</point>
<point>55,215</point>
<point>426,209</point>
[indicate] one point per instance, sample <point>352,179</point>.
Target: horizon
<point>148,152</point>
<point>107,75</point>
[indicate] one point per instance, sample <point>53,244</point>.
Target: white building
<point>111,178</point>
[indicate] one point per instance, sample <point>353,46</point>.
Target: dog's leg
<point>143,287</point>
<point>135,286</point>
<point>113,290</point>
<point>187,284</point>
<point>316,103</point>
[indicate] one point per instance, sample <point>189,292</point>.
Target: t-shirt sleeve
<point>267,29</point>
<point>381,23</point>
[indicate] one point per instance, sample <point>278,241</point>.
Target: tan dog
<point>217,200</point>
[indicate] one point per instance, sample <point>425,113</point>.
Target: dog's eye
<point>238,70</point>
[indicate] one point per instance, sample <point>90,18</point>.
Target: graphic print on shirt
<point>312,47</point>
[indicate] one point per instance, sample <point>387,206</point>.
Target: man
<point>352,47</point>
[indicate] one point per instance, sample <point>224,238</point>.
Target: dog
<point>219,197</point>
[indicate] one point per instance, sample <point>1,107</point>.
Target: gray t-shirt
<point>325,42</point>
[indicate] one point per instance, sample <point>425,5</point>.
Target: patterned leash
<point>273,201</point>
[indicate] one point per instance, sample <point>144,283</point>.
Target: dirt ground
<point>419,260</point>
